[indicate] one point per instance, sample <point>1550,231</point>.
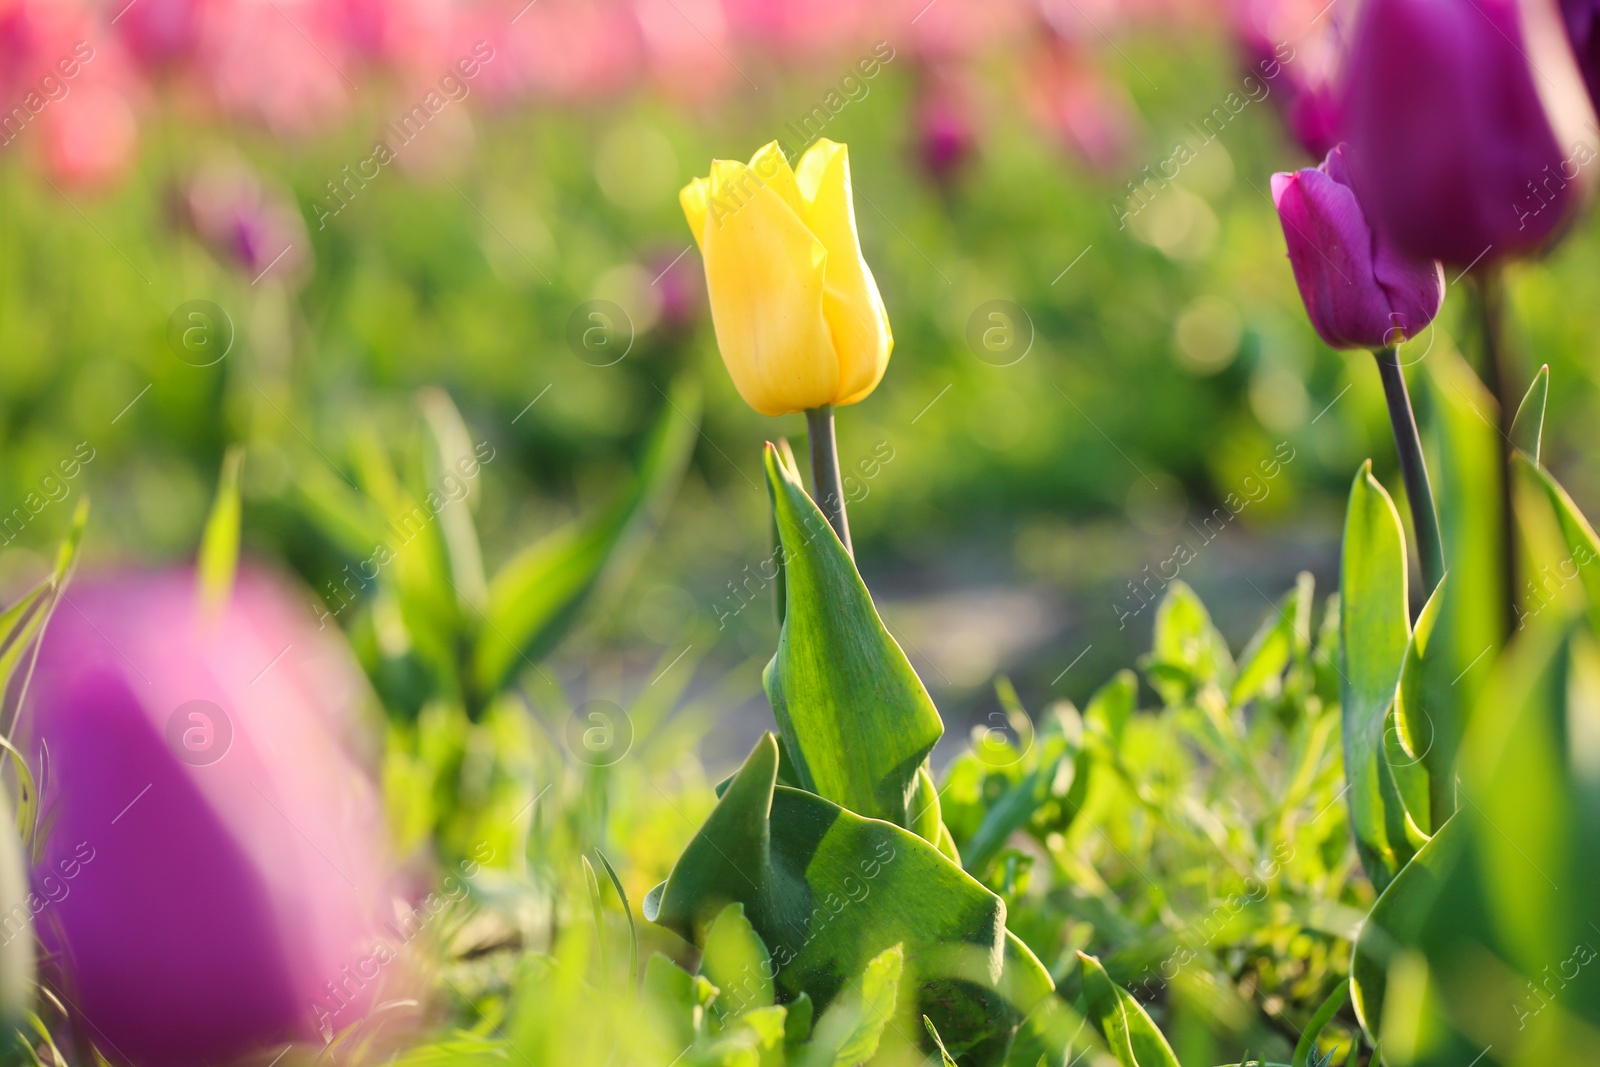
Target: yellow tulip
<point>796,310</point>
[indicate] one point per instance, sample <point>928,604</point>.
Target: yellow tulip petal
<point>765,275</point>
<point>852,305</point>
<point>693,197</point>
<point>772,166</point>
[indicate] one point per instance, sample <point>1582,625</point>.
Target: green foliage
<point>854,717</point>
<point>1128,1031</point>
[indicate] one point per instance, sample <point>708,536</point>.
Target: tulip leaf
<point>1375,631</point>
<point>854,716</point>
<point>1305,1051</point>
<point>537,595</point>
<point>449,462</point>
<point>1284,635</point>
<point>828,891</point>
<point>219,544</point>
<point>1458,415</point>
<point>849,1031</point>
<point>1528,427</point>
<point>1412,742</point>
<point>1583,547</point>
<point>1130,1034</point>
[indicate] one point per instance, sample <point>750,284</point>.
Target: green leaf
<point>1427,785</point>
<point>1459,417</point>
<point>827,891</point>
<point>854,716</point>
<point>1305,1051</point>
<point>849,1031</point>
<point>1112,706</point>
<point>1269,652</point>
<point>627,910</point>
<point>537,595</point>
<point>17,957</point>
<point>1375,631</point>
<point>945,1059</point>
<point>450,462</point>
<point>1129,1033</point>
<point>1583,547</point>
<point>1396,921</point>
<point>219,544</point>
<point>1528,426</point>
<point>736,962</point>
<point>1187,651</point>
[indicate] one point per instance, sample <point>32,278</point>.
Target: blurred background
<point>274,222</point>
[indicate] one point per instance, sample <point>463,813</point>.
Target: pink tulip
<point>1453,137</point>
<point>1088,112</point>
<point>214,854</point>
<point>947,133</point>
<point>159,33</point>
<point>273,63</point>
<point>90,137</point>
<point>1360,291</point>
<point>1293,50</point>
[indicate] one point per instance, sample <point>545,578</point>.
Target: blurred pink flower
<point>274,63</point>
<point>90,137</point>
<point>1294,48</point>
<point>1360,291</point>
<point>952,30</point>
<point>408,34</point>
<point>247,224</point>
<point>1089,113</point>
<point>159,33</point>
<point>680,285</point>
<point>206,789</point>
<point>574,49</point>
<point>687,47</point>
<point>805,29</point>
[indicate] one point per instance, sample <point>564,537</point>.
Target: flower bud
<point>1360,291</point>
<point>796,310</point>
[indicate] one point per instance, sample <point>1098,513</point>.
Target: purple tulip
<point>1583,30</point>
<point>1450,138</point>
<point>1360,291</point>
<point>214,867</point>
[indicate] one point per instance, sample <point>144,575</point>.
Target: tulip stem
<point>1413,468</point>
<point>1497,372</point>
<point>825,471</point>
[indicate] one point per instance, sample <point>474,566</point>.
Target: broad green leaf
<point>1187,651</point>
<point>537,595</point>
<point>1129,1033</point>
<point>1583,547</point>
<point>1458,416</point>
<point>1305,1051</point>
<point>1269,652</point>
<point>1397,919</point>
<point>854,716</point>
<point>849,1031</point>
<point>827,891</point>
<point>1528,426</point>
<point>1375,631</point>
<point>219,544</point>
<point>735,961</point>
<point>1112,706</point>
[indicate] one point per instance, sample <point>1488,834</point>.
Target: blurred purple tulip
<point>247,224</point>
<point>1360,291</point>
<point>1583,30</point>
<point>947,136</point>
<point>1293,50</point>
<point>214,861</point>
<point>1453,136</point>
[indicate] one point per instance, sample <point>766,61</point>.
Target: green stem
<point>1419,490</point>
<point>1497,372</point>
<point>825,471</point>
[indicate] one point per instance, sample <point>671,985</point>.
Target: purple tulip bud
<point>1360,291</point>
<point>214,869</point>
<point>1583,30</point>
<point>1452,121</point>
